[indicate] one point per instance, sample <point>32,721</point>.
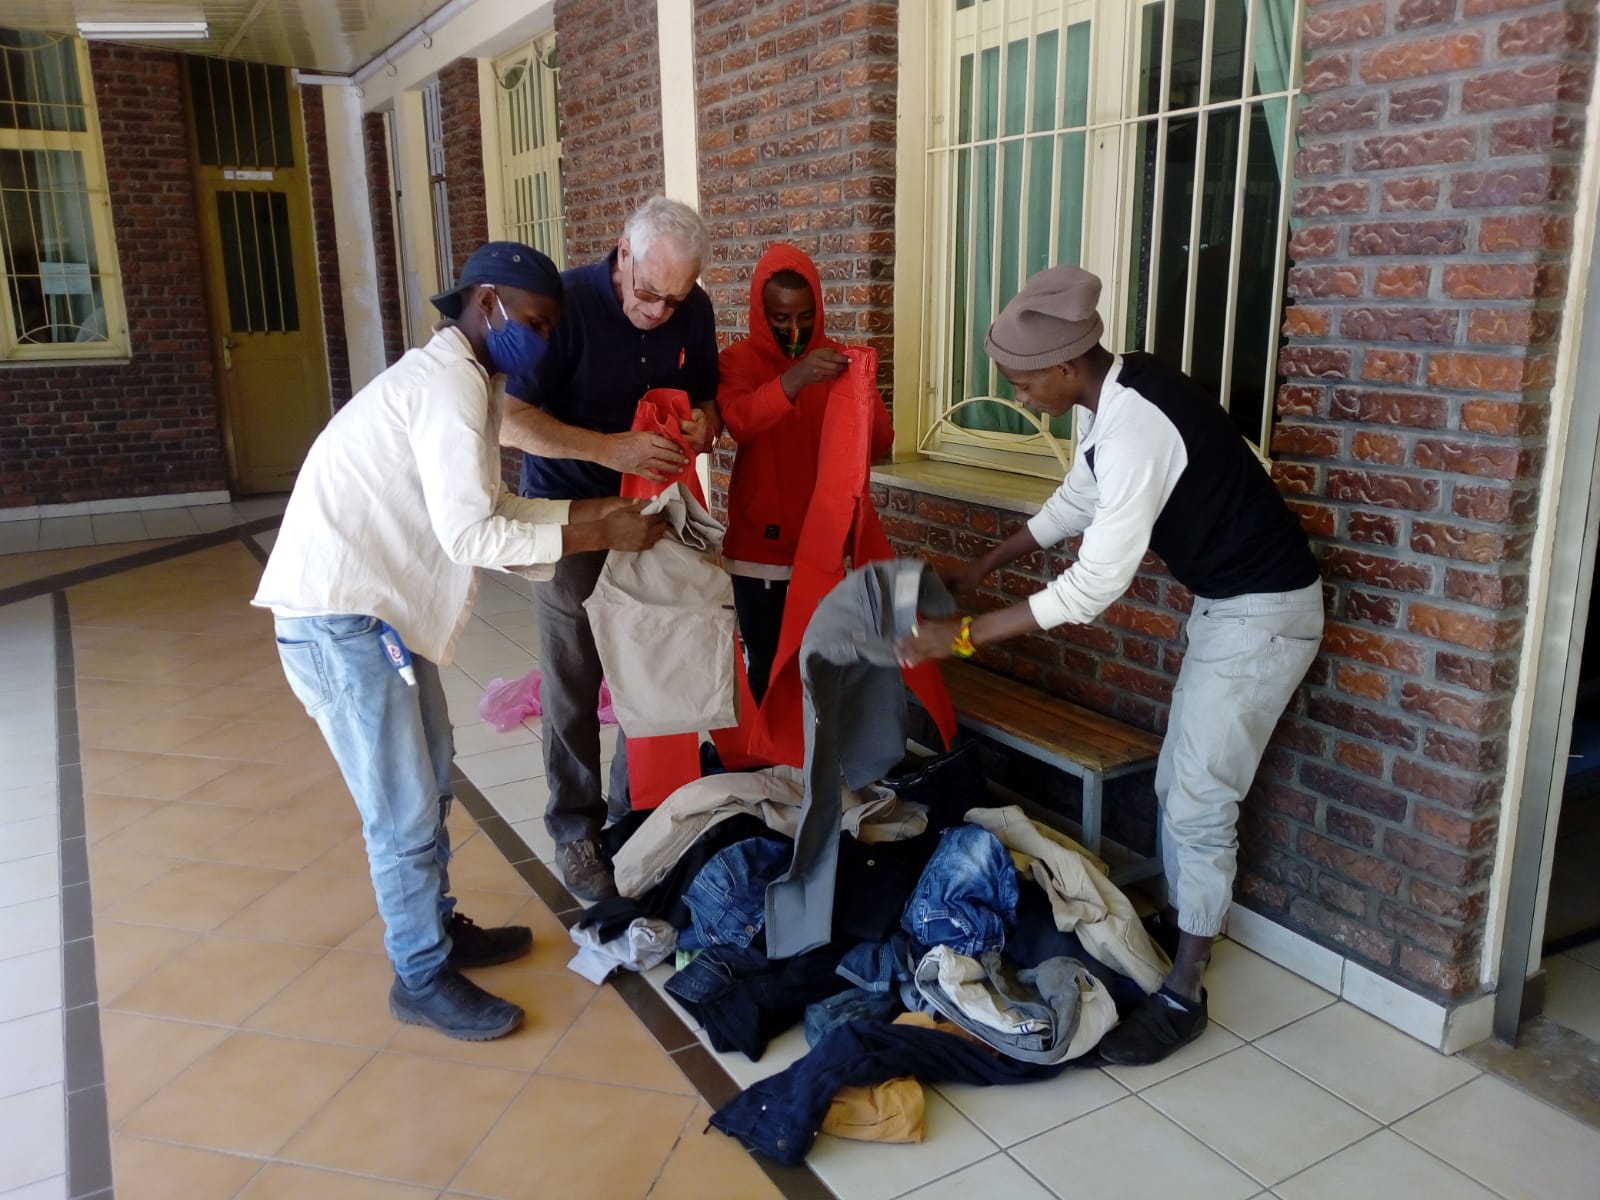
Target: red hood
<point>782,257</point>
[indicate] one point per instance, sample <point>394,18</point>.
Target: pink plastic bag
<point>508,703</point>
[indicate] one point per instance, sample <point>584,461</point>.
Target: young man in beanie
<point>371,582</point>
<point>1159,466</point>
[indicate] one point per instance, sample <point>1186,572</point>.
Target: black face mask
<point>791,341</point>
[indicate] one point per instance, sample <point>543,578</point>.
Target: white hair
<point>660,217</point>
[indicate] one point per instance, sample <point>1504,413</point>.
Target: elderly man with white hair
<point>634,321</point>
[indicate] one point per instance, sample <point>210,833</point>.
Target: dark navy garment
<point>728,899</point>
<point>744,999</point>
<point>780,1115</point>
<point>967,896</point>
<point>598,365</point>
<point>1035,939</point>
<point>857,1004</point>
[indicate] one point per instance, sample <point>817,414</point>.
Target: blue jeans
<point>967,895</point>
<point>393,745</point>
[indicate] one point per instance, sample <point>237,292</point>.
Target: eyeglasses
<point>646,295</point>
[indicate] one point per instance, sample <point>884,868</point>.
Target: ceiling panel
<point>334,36</point>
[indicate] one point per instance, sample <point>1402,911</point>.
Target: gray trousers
<point>569,693</point>
<point>1246,656</point>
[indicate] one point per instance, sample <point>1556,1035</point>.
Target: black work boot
<point>471,945</point>
<point>585,871</point>
<point>455,1006</point>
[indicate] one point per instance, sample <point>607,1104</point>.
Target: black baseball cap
<point>509,264</point>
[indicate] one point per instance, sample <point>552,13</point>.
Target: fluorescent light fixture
<point>140,31</point>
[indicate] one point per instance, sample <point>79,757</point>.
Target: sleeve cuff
<point>1045,531</point>
<point>1047,609</point>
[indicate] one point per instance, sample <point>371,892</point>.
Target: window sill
<point>20,364</point>
<point>973,485</point>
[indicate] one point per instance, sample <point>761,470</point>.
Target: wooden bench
<point>1063,735</point>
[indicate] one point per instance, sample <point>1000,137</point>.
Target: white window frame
<point>528,148</point>
<point>87,144</point>
<point>931,35</point>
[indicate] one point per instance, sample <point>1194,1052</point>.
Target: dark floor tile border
<point>255,547</point>
<point>697,1063</point>
<point>140,558</point>
<point>88,1126</point>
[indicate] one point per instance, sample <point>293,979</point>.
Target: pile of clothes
<point>962,943</point>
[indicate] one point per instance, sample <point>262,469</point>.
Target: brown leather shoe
<point>585,871</point>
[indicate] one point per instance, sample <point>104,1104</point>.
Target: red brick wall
<point>796,109</point>
<point>611,118</point>
<point>381,196</point>
<point>1439,157</point>
<point>464,131</point>
<point>314,113</point>
<point>149,426</point>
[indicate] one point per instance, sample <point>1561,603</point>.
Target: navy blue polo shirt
<point>598,365</point>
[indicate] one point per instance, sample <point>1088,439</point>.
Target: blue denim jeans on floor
<point>967,895</point>
<point>393,745</point>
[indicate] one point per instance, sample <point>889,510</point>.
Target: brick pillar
<point>380,188</point>
<point>314,115</point>
<point>611,118</point>
<point>797,143</point>
<point>1438,160</point>
<point>463,159</point>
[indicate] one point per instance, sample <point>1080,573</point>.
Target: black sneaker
<point>1162,1024</point>
<point>585,871</point>
<point>471,945</point>
<point>455,1006</point>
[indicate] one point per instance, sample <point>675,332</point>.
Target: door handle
<point>227,354</point>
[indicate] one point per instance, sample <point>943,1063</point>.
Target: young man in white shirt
<point>1158,466</point>
<point>371,582</point>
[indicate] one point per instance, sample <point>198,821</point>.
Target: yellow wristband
<point>962,646</point>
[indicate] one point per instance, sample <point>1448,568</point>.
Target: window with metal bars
<point>1149,141</point>
<point>438,190</point>
<point>60,291</point>
<point>530,148</point>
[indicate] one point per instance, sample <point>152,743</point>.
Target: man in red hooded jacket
<point>773,396</point>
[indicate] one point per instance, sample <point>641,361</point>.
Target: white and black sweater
<point>1161,467</point>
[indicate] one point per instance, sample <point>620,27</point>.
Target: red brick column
<point>314,113</point>
<point>381,197</point>
<point>611,118</point>
<point>1438,163</point>
<point>464,131</point>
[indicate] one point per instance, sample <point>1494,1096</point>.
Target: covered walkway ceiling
<point>331,36</point>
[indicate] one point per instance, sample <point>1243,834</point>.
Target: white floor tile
<point>1572,996</point>
<point>788,1047</point>
<point>875,1171</point>
<point>31,769</point>
<point>33,1136</point>
<point>60,533</point>
<point>1016,1113</point>
<point>31,926</point>
<point>27,879</point>
<point>209,518</point>
<point>1508,1141</point>
<point>266,539</point>
<point>995,1178</point>
<point>482,737</point>
<point>30,1048</point>
<point>30,983</point>
<point>30,717</point>
<point>1129,1151</point>
<point>30,837</point>
<point>495,597</point>
<point>54,1188</point>
<point>533,832</point>
<point>253,508</point>
<point>21,803</point>
<point>1588,954</point>
<point>169,522</point>
<point>523,800</point>
<point>1214,1041</point>
<point>115,527</point>
<point>1371,1065</point>
<point>1259,1114</point>
<point>510,765</point>
<point>19,537</point>
<point>1381,1165</point>
<point>1252,996</point>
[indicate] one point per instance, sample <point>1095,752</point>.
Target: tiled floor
<point>1572,990</point>
<point>103,529</point>
<point>248,1051</point>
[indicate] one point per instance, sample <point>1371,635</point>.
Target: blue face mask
<point>514,349</point>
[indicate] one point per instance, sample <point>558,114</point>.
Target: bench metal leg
<point>1091,813</point>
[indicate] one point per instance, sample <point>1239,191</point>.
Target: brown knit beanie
<point>1051,320</point>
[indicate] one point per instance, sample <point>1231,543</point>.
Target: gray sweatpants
<point>1246,656</point>
<point>569,693</point>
